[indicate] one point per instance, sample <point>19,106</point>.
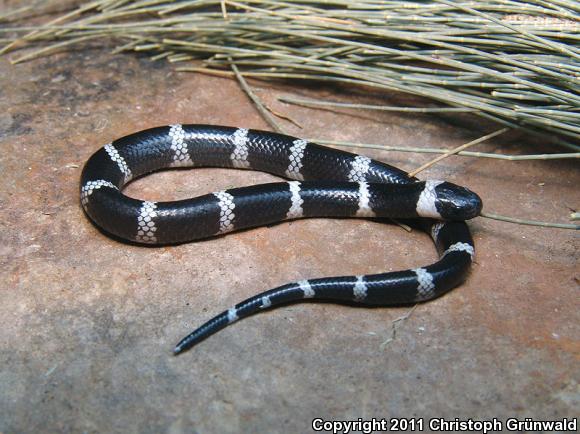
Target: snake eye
<point>456,203</point>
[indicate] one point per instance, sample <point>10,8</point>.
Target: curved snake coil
<point>326,183</point>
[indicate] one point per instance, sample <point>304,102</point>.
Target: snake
<point>321,182</point>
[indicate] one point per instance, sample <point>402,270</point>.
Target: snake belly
<point>325,183</point>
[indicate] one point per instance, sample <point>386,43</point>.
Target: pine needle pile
<point>515,62</point>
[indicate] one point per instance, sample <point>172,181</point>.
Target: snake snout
<point>454,202</point>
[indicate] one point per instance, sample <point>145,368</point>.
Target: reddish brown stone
<point>87,323</point>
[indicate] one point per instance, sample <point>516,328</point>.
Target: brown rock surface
<point>87,324</point>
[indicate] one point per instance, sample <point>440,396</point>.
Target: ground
<point>87,323</point>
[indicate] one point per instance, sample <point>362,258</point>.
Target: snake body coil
<point>326,183</point>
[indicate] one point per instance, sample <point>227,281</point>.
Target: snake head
<point>456,203</point>
<point>447,201</point>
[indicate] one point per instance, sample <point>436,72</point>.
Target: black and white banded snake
<point>325,183</point>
